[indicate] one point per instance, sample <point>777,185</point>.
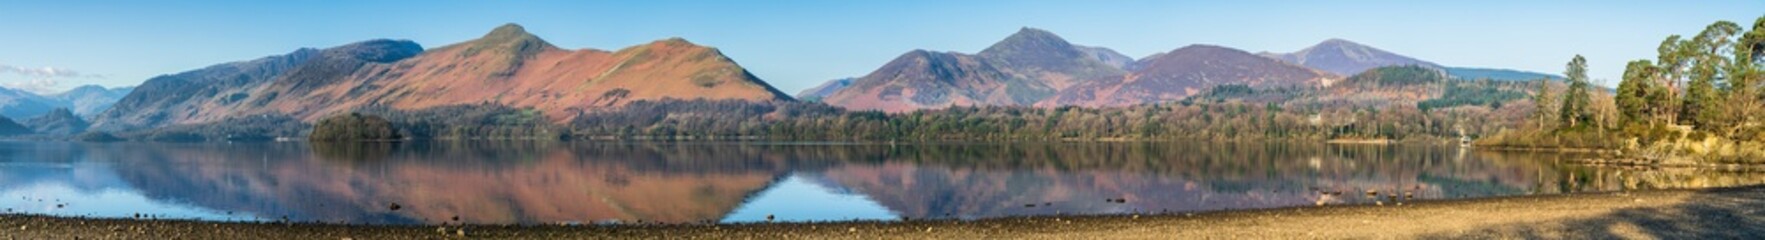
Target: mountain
<point>167,99</point>
<point>1040,55</point>
<point>1021,69</point>
<point>59,122</point>
<point>828,88</point>
<point>11,128</point>
<point>1497,74</point>
<point>924,79</point>
<point>507,66</point>
<point>19,104</point>
<point>89,100</point>
<point>1109,57</point>
<point>1345,58</point>
<point>85,100</point>
<point>1187,71</point>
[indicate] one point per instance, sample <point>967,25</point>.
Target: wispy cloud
<point>34,85</point>
<point>41,80</point>
<point>45,72</point>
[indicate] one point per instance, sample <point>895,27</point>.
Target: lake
<point>540,182</point>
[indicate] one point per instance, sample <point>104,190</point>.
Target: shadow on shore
<point>1725,213</point>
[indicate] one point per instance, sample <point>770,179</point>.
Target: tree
<point>1544,103</point>
<point>1668,67</point>
<point>1702,103</point>
<point>1635,92</point>
<point>354,127</point>
<point>1574,110</point>
<point>1746,99</point>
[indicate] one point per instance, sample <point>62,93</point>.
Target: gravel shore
<point>1726,213</point>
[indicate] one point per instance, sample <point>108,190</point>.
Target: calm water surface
<point>601,182</point>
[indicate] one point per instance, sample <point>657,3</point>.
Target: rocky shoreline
<point>1709,213</point>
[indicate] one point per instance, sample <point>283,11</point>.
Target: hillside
<point>1021,69</point>
<point>8,127</point>
<point>923,79</point>
<point>507,66</point>
<point>828,88</point>
<point>89,100</point>
<point>59,122</point>
<point>19,104</point>
<point>1497,74</point>
<point>86,101</point>
<point>1187,71</point>
<point>172,98</point>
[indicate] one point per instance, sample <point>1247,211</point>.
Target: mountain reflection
<point>551,182</point>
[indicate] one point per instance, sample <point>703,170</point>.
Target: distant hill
<point>1021,69</point>
<point>827,88</point>
<point>19,104</point>
<point>8,127</point>
<point>89,100</point>
<point>59,122</point>
<point>1184,72</point>
<point>85,100</point>
<point>507,66</point>
<point>1345,58</point>
<point>1497,74</point>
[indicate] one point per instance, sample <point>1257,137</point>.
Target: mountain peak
<point>507,30</point>
<point>1030,32</point>
<point>1344,57</point>
<point>512,37</point>
<point>1028,40</point>
<point>1337,41</point>
<point>509,42</point>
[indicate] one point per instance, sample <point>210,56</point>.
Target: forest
<point>1700,100</point>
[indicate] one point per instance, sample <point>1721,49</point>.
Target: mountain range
<point>510,67</point>
<point>1020,70</point>
<point>1184,72</point>
<point>507,66</point>
<point>1035,67</point>
<point>1347,58</point>
<point>85,100</point>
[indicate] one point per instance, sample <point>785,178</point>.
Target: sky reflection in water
<point>596,182</point>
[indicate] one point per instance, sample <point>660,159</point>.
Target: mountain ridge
<point>507,66</point>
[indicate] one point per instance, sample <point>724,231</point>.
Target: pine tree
<point>1635,92</point>
<point>1544,103</point>
<point>1702,103</point>
<point>1574,110</point>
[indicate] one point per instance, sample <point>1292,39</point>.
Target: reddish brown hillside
<point>507,66</point>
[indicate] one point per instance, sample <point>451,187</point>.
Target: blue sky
<point>54,45</point>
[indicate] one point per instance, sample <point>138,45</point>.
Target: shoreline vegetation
<point>1724,213</point>
<point>1700,103</point>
